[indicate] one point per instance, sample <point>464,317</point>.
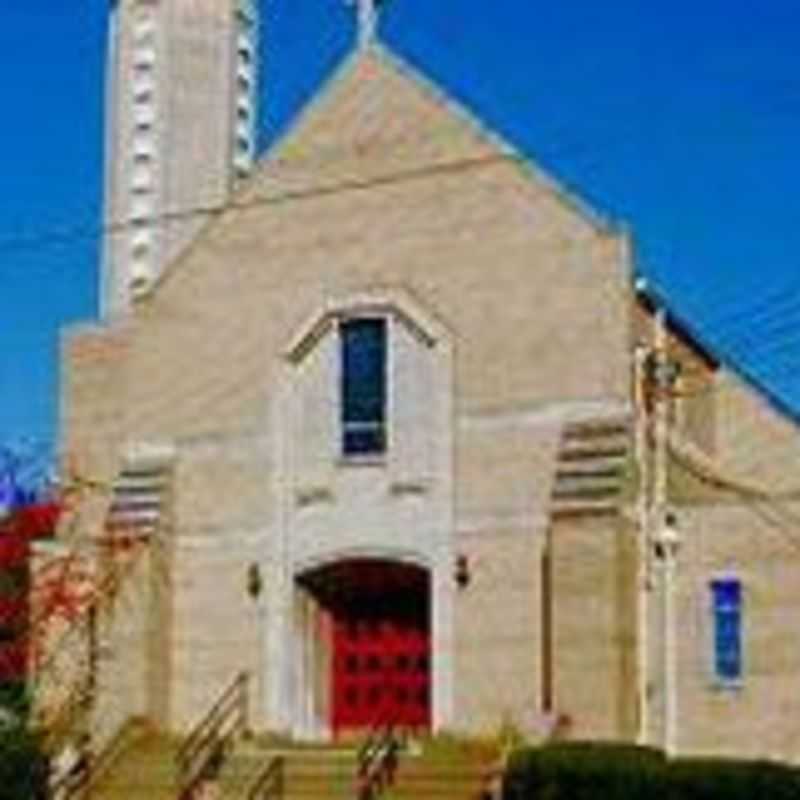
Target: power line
<point>788,521</point>
<point>355,185</point>
<point>749,431</point>
<point>324,156</point>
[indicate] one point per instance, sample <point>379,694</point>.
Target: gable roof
<point>374,121</point>
<point>653,296</point>
<point>376,104</point>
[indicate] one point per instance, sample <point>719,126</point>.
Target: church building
<point>384,398</point>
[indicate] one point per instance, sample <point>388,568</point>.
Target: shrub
<point>23,767</point>
<point>588,771</point>
<point>584,771</point>
<point>14,700</point>
<point>709,779</point>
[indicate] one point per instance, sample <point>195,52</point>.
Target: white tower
<point>180,130</point>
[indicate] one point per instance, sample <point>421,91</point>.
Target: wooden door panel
<point>381,673</point>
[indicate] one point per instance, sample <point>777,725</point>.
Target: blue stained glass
<point>727,607</point>
<point>363,343</point>
<point>727,593</point>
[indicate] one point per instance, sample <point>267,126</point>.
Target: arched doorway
<point>379,665</point>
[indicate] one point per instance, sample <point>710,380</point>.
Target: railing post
<point>204,748</point>
<point>245,703</point>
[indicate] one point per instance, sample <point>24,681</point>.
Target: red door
<point>381,673</point>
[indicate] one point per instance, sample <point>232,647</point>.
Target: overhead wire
<point>757,500</point>
<point>749,428</point>
<point>276,166</point>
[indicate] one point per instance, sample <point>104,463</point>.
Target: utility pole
<point>666,540</point>
<point>641,355</point>
<point>662,388</point>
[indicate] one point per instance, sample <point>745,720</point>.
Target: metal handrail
<point>206,745</point>
<point>376,730</point>
<point>88,768</point>
<point>74,781</point>
<point>377,761</point>
<point>268,785</point>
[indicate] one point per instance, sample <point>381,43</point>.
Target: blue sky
<point>681,119</point>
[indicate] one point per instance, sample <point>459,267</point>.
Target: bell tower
<point>181,92</point>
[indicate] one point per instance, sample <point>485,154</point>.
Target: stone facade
<point>510,321</point>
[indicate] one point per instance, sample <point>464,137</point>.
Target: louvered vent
<point>138,500</point>
<point>592,467</point>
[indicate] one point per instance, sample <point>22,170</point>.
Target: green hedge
<point>14,699</point>
<point>23,768</point>
<point>709,779</point>
<point>599,771</point>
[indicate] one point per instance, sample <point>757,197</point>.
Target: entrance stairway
<point>218,759</point>
<point>144,769</point>
<point>425,772</point>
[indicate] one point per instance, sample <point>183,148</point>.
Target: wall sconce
<point>462,574</point>
<point>667,539</point>
<point>254,581</point>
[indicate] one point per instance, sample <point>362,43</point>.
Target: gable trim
<point>526,164</point>
<point>390,302</point>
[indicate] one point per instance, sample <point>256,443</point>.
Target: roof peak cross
<point>367,21</point>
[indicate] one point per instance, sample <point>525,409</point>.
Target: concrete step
<point>308,772</point>
<point>143,770</point>
<point>457,772</point>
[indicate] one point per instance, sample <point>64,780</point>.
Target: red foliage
<point>14,550</point>
<point>13,659</point>
<point>33,522</point>
<point>24,525</point>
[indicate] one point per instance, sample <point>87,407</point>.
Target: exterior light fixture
<point>462,574</point>
<point>254,581</point>
<point>661,371</point>
<point>667,541</point>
